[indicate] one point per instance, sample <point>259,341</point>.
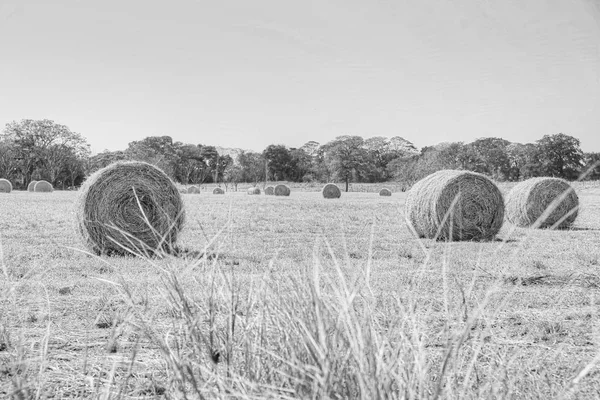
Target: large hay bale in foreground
<point>542,203</point>
<point>269,190</point>
<point>5,186</point>
<point>455,205</point>
<point>43,186</point>
<point>193,190</point>
<point>218,190</point>
<point>282,190</point>
<point>331,191</point>
<point>31,186</point>
<point>253,190</point>
<point>385,192</point>
<point>129,205</point>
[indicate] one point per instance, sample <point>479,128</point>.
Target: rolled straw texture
<point>331,191</point>
<point>218,190</point>
<point>193,190</point>
<point>129,205</point>
<point>455,205</point>
<point>385,192</point>
<point>269,190</point>
<point>253,190</point>
<point>282,190</point>
<point>31,186</point>
<point>43,186</point>
<point>5,186</point>
<point>542,203</point>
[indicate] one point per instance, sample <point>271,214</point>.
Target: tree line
<point>42,149</point>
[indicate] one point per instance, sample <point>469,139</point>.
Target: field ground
<point>76,325</point>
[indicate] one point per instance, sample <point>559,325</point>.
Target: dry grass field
<point>298,297</point>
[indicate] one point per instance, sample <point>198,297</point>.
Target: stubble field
<point>298,297</point>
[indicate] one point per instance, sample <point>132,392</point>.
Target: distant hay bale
<point>282,190</point>
<point>542,203</point>
<point>193,190</point>
<point>43,186</point>
<point>31,186</point>
<point>218,190</point>
<point>253,190</point>
<point>331,191</point>
<point>385,192</point>
<point>269,190</point>
<point>183,190</point>
<point>129,206</point>
<point>5,186</point>
<point>455,205</point>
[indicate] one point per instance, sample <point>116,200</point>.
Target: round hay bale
<point>253,190</point>
<point>193,190</point>
<point>129,206</point>
<point>43,186</point>
<point>385,192</point>
<point>331,191</point>
<point>269,190</point>
<point>218,190</point>
<point>183,190</point>
<point>455,205</point>
<point>5,186</point>
<point>31,186</point>
<point>542,203</point>
<point>282,190</point>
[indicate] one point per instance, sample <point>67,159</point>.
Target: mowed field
<point>298,297</point>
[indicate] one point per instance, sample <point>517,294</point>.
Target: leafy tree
<point>560,155</point>
<point>9,162</point>
<point>346,157</point>
<point>591,169</point>
<point>156,150</point>
<point>301,165</point>
<point>104,159</point>
<point>279,162</point>
<point>490,157</point>
<point>44,145</point>
<point>253,166</point>
<point>233,175</point>
<point>190,163</point>
<point>524,161</point>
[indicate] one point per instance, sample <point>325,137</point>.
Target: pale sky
<point>252,73</point>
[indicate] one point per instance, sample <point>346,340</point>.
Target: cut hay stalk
<point>129,207</point>
<point>193,190</point>
<point>218,190</point>
<point>385,192</point>
<point>31,186</point>
<point>5,186</point>
<point>43,186</point>
<point>269,190</point>
<point>282,190</point>
<point>331,191</point>
<point>542,203</point>
<point>253,191</point>
<point>455,205</point>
